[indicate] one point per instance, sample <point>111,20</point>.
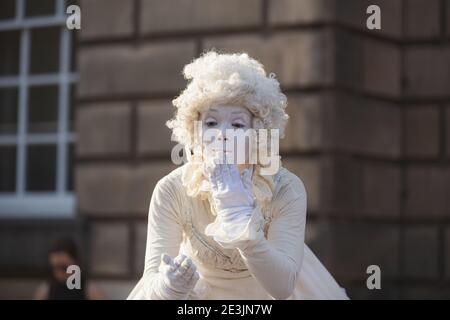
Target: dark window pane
<point>7,168</point>
<point>70,168</point>
<point>70,2</point>
<point>72,89</point>
<point>44,55</point>
<point>8,110</point>
<point>39,8</point>
<point>7,9</point>
<point>73,52</point>
<point>41,168</point>
<point>73,39</point>
<point>43,109</point>
<point>9,52</point>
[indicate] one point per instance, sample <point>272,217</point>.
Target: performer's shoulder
<point>172,180</point>
<point>175,174</point>
<point>287,179</point>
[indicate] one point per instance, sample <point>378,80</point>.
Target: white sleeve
<point>164,234</point>
<point>276,261</point>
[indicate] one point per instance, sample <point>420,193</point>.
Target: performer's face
<point>225,119</point>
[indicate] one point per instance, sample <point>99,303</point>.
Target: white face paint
<point>220,124</point>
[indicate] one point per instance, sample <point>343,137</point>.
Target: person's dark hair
<point>66,245</point>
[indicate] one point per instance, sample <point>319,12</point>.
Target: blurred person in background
<point>63,254</point>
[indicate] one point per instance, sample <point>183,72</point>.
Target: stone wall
<point>369,132</point>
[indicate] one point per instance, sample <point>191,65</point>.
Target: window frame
<point>61,202</point>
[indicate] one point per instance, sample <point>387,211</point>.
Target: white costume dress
<point>279,266</point>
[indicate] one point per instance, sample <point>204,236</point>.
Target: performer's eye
<point>238,125</point>
<point>211,123</point>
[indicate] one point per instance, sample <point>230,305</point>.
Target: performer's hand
<point>233,195</point>
<point>235,204</point>
<point>178,277</point>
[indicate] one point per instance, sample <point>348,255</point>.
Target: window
<point>37,83</point>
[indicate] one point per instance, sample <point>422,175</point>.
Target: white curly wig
<point>224,79</point>
<point>221,78</point>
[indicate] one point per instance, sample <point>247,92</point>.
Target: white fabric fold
<point>236,234</point>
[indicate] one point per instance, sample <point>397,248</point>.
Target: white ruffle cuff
<point>238,234</point>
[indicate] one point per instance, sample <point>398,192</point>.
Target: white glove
<point>233,195</point>
<point>234,201</point>
<point>177,277</point>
